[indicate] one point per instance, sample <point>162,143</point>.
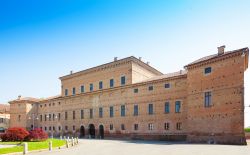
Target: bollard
<point>77,140</point>
<point>72,141</point>
<point>50,145</point>
<point>67,143</point>
<point>64,137</point>
<point>25,148</point>
<point>60,137</point>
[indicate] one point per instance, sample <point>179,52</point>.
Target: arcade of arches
<point>92,132</point>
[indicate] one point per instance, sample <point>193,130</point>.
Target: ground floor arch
<point>101,131</point>
<point>82,131</point>
<point>91,130</point>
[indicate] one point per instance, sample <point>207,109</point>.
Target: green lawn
<point>31,146</point>
<point>247,129</point>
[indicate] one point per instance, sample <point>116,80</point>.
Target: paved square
<point>118,147</point>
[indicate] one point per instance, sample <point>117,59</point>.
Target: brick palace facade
<point>129,99</point>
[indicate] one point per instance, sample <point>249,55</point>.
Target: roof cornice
<point>217,58</point>
<point>113,64</point>
<point>183,76</point>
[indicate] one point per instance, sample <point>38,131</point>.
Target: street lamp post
<point>33,117</point>
<point>53,116</point>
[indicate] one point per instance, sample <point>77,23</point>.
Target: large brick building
<point>128,98</point>
<point>4,117</point>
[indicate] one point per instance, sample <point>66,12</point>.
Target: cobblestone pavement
<point>117,147</point>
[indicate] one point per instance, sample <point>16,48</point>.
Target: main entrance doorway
<point>82,132</point>
<point>91,130</point>
<point>101,131</point>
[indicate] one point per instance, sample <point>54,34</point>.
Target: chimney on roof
<point>115,58</point>
<point>140,58</point>
<point>221,49</point>
<point>71,72</point>
<point>19,97</point>
<point>148,62</point>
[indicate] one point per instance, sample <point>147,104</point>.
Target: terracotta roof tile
<point>215,56</point>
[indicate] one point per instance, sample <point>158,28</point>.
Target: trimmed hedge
<point>37,135</point>
<point>15,134</point>
<point>21,134</point>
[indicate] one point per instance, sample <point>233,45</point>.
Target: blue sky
<point>43,40</point>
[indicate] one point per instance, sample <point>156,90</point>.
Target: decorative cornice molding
<point>184,76</point>
<point>214,59</point>
<point>112,64</point>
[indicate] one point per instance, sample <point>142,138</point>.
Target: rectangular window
<point>74,115</point>
<point>136,126</point>
<point>167,85</point>
<point>150,88</point>
<point>123,80</point>
<point>100,112</point>
<point>100,85</point>
<point>73,91</point>
<point>166,126</point>
<point>150,109</point>
<point>122,127</point>
<point>66,92</point>
<point>59,128</point>
<point>208,99</point>
<point>90,113</point>
<point>66,115</point>
<point>111,83</point>
<point>91,87</point>
<point>41,118</point>
<point>49,117</point>
<point>136,90</point>
<point>73,127</point>
<point>207,70</point>
<point>59,116</point>
<point>111,111</point>
<point>19,118</point>
<point>123,112</point>
<point>178,106</point>
<point>53,117</point>
<point>45,117</point>
<point>150,126</point>
<point>66,127</point>
<point>136,110</point>
<point>178,126</point>
<point>166,107</point>
<point>82,89</point>
<point>82,114</point>
<point>111,127</point>
<point>45,128</point>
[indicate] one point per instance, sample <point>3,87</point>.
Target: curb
<point>33,151</point>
